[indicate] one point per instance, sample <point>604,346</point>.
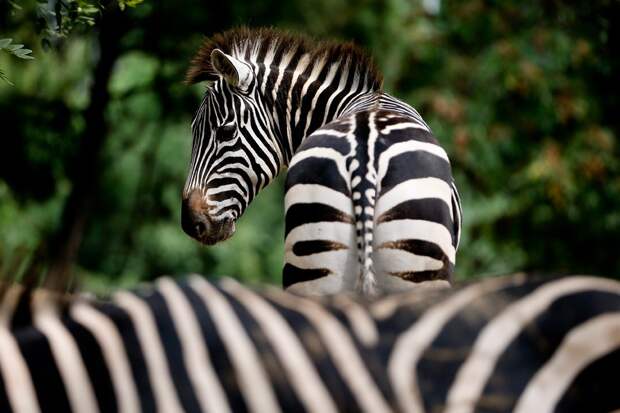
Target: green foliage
<point>128,3</point>
<point>16,50</point>
<point>519,94</point>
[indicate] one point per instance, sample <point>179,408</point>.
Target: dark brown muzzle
<point>197,223</point>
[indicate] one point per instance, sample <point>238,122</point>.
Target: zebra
<point>370,203</point>
<point>512,343</point>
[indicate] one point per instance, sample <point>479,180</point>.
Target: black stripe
<point>292,274</point>
<point>537,342</point>
<point>22,315</point>
<point>296,100</point>
<point>402,135</point>
<point>414,165</point>
<point>451,347</point>
<point>220,360</point>
<point>302,248</point>
<point>173,349</point>
<point>595,389</point>
<point>5,406</point>
<point>427,209</point>
<point>444,273</point>
<point>279,380</point>
<point>135,353</point>
<point>305,105</point>
<point>331,114</point>
<point>95,365</point>
<point>320,171</point>
<point>48,383</point>
<point>319,140</point>
<point>316,350</point>
<point>417,247</point>
<point>300,214</point>
<point>375,357</point>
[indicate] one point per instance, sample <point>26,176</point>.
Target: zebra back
<point>504,344</point>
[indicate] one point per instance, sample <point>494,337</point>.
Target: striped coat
<point>371,203</point>
<point>504,344</point>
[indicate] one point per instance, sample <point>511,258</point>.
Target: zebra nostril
<point>201,228</point>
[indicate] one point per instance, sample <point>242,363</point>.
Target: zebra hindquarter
<point>417,214</point>
<point>320,247</point>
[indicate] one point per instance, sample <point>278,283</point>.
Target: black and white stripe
<point>371,204</point>
<point>504,344</point>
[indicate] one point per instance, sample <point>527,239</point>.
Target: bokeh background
<point>95,130</point>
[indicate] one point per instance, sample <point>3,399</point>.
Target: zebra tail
<point>364,217</point>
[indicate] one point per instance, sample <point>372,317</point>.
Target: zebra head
<point>233,153</point>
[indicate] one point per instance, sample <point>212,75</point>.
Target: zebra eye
<point>226,132</point>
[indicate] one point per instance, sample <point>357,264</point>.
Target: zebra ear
<point>234,71</point>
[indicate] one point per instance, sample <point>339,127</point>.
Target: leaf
<point>6,79</point>
<point>23,53</point>
<point>14,47</point>
<point>15,5</point>
<point>5,42</point>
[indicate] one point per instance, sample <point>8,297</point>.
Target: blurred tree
<point>96,135</point>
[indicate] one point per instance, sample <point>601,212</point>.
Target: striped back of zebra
<point>371,203</point>
<point>504,344</point>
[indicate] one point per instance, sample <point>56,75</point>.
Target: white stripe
<point>317,66</point>
<point>401,126</point>
<point>334,260</point>
<point>342,350</point>
<point>416,229</point>
<point>154,355</point>
<point>65,352</point>
<point>497,335</point>
<point>419,188</point>
<point>344,74</point>
<point>410,346</point>
<point>362,324</point>
<point>397,260</point>
<point>329,132</point>
<point>326,83</point>
<point>16,376</point>
<point>302,63</point>
<point>113,351</point>
<point>207,387</point>
<point>408,146</point>
<point>581,346</point>
<point>313,193</point>
<point>253,379</point>
<point>332,231</point>
<point>267,62</point>
<point>340,110</point>
<point>302,373</point>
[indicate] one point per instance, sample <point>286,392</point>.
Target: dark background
<point>95,136</point>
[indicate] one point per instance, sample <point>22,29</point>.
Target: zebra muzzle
<point>196,222</point>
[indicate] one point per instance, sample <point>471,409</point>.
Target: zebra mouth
<point>211,232</point>
<point>199,225</point>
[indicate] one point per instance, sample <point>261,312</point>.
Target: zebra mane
<point>252,44</point>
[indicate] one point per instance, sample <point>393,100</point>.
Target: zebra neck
<point>322,110</point>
